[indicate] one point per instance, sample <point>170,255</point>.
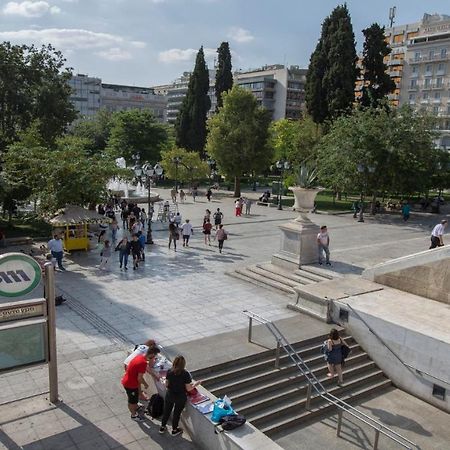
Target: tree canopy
<point>191,121</point>
<point>190,168</point>
<point>238,137</point>
<point>224,75</point>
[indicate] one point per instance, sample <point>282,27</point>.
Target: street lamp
<point>281,165</point>
<point>212,168</point>
<point>364,169</point>
<point>176,160</point>
<point>145,173</point>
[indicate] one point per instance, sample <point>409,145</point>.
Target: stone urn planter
<point>304,198</point>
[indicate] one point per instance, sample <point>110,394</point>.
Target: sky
<point>150,42</point>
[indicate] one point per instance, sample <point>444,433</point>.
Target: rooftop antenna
<point>392,12</point>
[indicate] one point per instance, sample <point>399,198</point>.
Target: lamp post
<point>176,160</point>
<point>147,171</point>
<point>281,165</point>
<point>363,169</point>
<point>212,168</point>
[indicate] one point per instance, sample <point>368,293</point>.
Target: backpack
<point>345,349</point>
<point>155,406</point>
<point>231,422</point>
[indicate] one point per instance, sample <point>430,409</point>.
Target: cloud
<point>29,8</point>
<point>138,44</point>
<point>115,54</point>
<point>240,35</point>
<point>177,54</point>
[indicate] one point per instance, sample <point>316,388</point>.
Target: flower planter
<point>304,198</point>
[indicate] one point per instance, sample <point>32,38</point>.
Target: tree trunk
<point>237,186</point>
<point>338,195</point>
<point>372,206</point>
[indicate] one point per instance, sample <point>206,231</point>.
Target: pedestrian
<point>248,206</point>
<point>218,217</point>
<point>124,216</point>
<point>177,219</point>
<point>55,246</point>
<point>334,356</point>
<point>173,194</point>
<point>101,210</point>
<point>182,195</point>
<point>207,216</point>
<point>114,228</point>
<point>221,236</point>
<point>137,211</point>
<point>323,245</point>
<point>207,227</point>
<point>437,235</point>
<point>124,249</point>
<point>134,379</point>
<point>105,255</point>
<point>186,231</point>
<point>237,207</point>
<point>140,349</point>
<point>101,239</point>
<point>173,235</point>
<point>178,383</point>
<point>166,211</point>
<point>209,194</point>
<point>406,209</point>
<point>142,239</point>
<point>131,221</point>
<point>194,193</point>
<point>136,228</point>
<point>143,218</point>
<point>135,247</point>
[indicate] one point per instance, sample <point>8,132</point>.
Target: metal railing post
<point>51,313</point>
<point>277,355</point>
<point>339,424</point>
<point>308,395</point>
<point>377,437</point>
<point>250,323</point>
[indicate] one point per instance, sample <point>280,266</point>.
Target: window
<point>438,392</point>
<point>417,56</point>
<point>428,69</point>
<point>425,96</point>
<point>427,83</point>
<point>437,95</point>
<point>431,54</point>
<point>441,68</point>
<point>412,97</point>
<point>438,82</point>
<point>413,84</point>
<point>443,52</point>
<point>435,109</point>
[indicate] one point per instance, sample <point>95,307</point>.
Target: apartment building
<point>420,66</point>
<point>89,95</point>
<point>277,88</point>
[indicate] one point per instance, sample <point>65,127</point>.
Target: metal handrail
<point>412,369</point>
<point>314,383</point>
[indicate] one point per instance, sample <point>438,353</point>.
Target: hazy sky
<point>147,42</point>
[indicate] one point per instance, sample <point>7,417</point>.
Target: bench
<point>270,204</point>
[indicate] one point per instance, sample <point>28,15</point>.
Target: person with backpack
<point>178,383</point>
<point>221,236</point>
<point>124,249</point>
<point>334,355</point>
<point>134,379</point>
<point>218,217</point>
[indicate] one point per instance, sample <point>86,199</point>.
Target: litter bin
<point>276,185</point>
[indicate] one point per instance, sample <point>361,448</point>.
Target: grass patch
<point>25,227</point>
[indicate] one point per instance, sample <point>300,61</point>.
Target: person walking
<point>248,206</point>
<point>56,248</point>
<point>182,196</point>
<point>186,231</point>
<point>105,255</point>
<point>131,221</point>
<point>177,219</point>
<point>221,236</point>
<point>142,239</point>
<point>173,235</point>
<point>124,249</point>
<point>178,383</point>
<point>173,194</point>
<point>114,228</point>
<point>194,193</point>
<point>135,247</point>
<point>437,235</point>
<point>237,207</point>
<point>207,216</point>
<point>334,355</point>
<point>406,210</point>
<point>209,194</point>
<point>218,217</point>
<point>134,379</point>
<point>323,245</point>
<point>207,227</point>
<point>143,218</point>
<point>124,216</point>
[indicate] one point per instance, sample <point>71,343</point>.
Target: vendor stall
<point>73,222</point>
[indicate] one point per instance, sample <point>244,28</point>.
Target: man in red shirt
<point>134,378</point>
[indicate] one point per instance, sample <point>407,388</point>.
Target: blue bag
<point>221,409</point>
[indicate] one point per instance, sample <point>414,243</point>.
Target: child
<point>106,255</point>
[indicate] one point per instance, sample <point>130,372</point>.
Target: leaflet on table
<point>205,407</point>
<point>197,398</point>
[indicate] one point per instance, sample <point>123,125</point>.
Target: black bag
<point>231,422</point>
<point>345,351</point>
<point>155,406</point>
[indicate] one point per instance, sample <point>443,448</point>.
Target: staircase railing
<point>313,383</point>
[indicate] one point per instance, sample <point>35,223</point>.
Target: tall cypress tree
<point>377,83</point>
<point>330,86</point>
<point>191,121</point>
<point>224,76</point>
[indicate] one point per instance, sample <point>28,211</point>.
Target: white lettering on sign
<point>21,312</point>
<point>19,274</point>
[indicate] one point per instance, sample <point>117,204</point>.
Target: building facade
<point>89,95</point>
<point>420,66</point>
<point>277,88</point>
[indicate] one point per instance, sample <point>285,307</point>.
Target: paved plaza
<point>175,298</point>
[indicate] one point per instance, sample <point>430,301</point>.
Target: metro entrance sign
<point>19,274</point>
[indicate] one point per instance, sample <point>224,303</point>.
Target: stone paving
<point>175,298</point>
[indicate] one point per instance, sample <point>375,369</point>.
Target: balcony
<point>395,73</point>
<point>396,62</point>
<point>436,58</point>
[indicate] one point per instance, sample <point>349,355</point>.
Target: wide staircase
<point>271,276</point>
<point>275,399</point>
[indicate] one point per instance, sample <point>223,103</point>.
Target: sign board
<point>19,274</point>
<point>21,312</point>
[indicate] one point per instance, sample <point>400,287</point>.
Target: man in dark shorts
<point>135,246</point>
<point>218,216</point>
<point>134,378</point>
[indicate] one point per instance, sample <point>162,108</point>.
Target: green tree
<point>224,75</point>
<point>191,121</point>
<point>137,132</point>
<point>190,168</point>
<point>332,73</point>
<point>33,88</point>
<point>377,83</point>
<point>239,136</point>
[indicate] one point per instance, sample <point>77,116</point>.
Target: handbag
<point>221,409</point>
